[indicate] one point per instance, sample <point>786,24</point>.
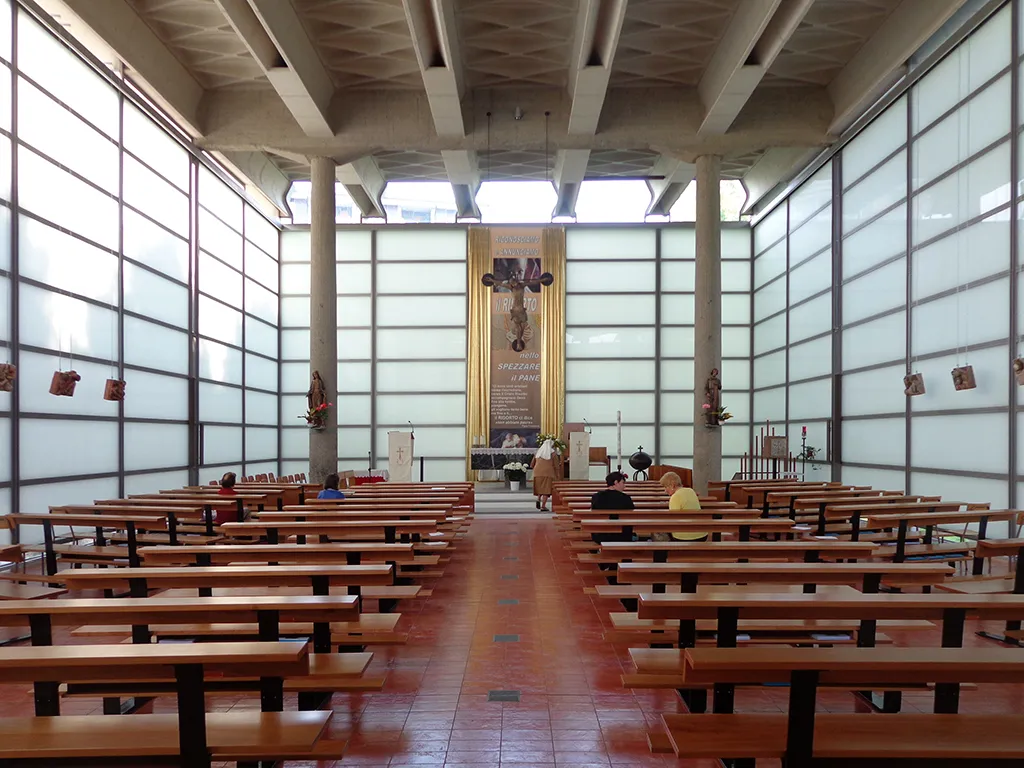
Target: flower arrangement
<point>716,417</point>
<point>559,444</point>
<point>807,453</point>
<point>515,471</point>
<point>315,417</point>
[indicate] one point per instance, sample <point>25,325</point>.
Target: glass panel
<point>681,242</point>
<point>51,64</point>
<point>981,440</point>
<point>357,278</point>
<point>295,377</point>
<point>154,482</point>
<point>875,193</point>
<point>260,302</point>
<point>295,245</point>
<point>609,342</point>
<point>880,139</point>
<point>53,448</point>
<point>431,441</point>
<point>262,338</point>
<point>260,444</point>
<point>39,498</point>
<point>221,445</point>
<point>812,400</point>
<point>677,408</point>
<point>595,308</point>
<point>151,446</point>
<point>735,242</point>
<point>597,375</point>
<point>677,374</point>
<point>967,489</point>
<point>679,276</point>
<point>736,375</point>
<point>5,237</point>
<point>350,245</point>
<point>875,391</point>
<point>610,244</point>
<point>59,197</point>
<point>419,377</point>
<point>65,262</point>
<point>59,322</point>
<point>811,277</point>
<point>939,392</point>
<point>218,403</point>
<point>874,441</point>
<point>219,363</point>
<point>770,405</point>
<point>64,138</point>
<point>770,370</point>
<point>881,239</point>
<point>351,409</point>
<point>88,399</point>
<point>261,232</point>
<point>420,278</point>
<point>419,245</point>
<point>220,281</point>
<point>769,299</point>
<point>970,317</point>
<point>811,237</point>
<point>972,191</point>
<point>812,358</point>
<point>5,440</point>
<point>974,126</point>
<point>618,277</point>
<point>295,311</point>
<point>159,200</point>
<point>355,377</point>
<point>813,194</point>
<point>151,143</point>
<point>5,40</point>
<point>220,322</point>
<point>149,294</point>
<point>166,397</point>
<point>771,334</point>
<point>413,310</point>
<point>735,276</point>
<point>260,408</point>
<point>811,318</point>
<point>890,480</point>
<point>294,344</point>
<point>676,308</point>
<point>879,341</point>
<point>410,344</point>
<point>355,345</point>
<point>677,342</point>
<point>736,342</point>
<point>981,250</point>
<point>219,239</point>
<point>153,346</point>
<point>770,229</point>
<point>736,309</point>
<point>295,278</point>
<point>770,264</point>
<point>259,266</point>
<point>875,292</point>
<point>218,198</point>
<point>149,244</point>
<point>677,441</point>
<point>260,373</point>
<point>432,409</point>
<point>441,470</point>
<point>601,409</point>
<point>295,442</point>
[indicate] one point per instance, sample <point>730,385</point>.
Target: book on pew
<point>825,637</point>
<point>741,638</point>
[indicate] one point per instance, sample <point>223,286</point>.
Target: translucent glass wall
<point>926,258</point>
<point>102,241</point>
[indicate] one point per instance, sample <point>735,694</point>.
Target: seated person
<point>613,497</point>
<point>227,488</point>
<point>680,499</point>
<point>330,490</point>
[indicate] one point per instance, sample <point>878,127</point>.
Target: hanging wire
<point>547,115</point>
<point>488,145</point>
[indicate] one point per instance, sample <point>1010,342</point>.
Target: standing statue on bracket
<point>517,287</point>
<point>316,399</point>
<point>713,412</point>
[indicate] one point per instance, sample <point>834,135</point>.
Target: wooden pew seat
<point>10,591</point>
<point>905,736</point>
<point>230,735</point>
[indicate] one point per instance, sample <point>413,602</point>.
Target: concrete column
<point>323,313</point>
<point>707,332</point>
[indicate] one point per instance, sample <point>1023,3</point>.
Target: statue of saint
<point>517,286</point>
<point>317,394</point>
<point>713,397</point>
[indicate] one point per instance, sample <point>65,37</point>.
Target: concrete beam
<point>297,74</point>
<point>598,26</point>
<point>757,34</point>
<point>264,175</point>
<point>676,177</point>
<point>436,44</point>
<point>774,167</point>
<point>171,85</point>
<point>365,185</point>
<point>664,118</point>
<point>569,172</point>
<point>463,170</point>
<point>880,63</point>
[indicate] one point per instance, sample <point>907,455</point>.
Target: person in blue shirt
<point>330,490</point>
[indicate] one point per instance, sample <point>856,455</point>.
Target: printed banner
<point>518,278</point>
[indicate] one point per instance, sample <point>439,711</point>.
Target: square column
<point>707,332</point>
<point>323,313</point>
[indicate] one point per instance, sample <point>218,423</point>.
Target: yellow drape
<point>478,353</point>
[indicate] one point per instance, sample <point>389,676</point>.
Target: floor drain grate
<point>506,638</point>
<point>503,695</point>
<point>508,602</point>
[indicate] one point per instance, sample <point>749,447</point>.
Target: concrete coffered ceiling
<point>471,90</point>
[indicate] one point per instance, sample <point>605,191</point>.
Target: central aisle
<point>508,615</point>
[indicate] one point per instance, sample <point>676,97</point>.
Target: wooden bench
<point>741,528</point>
<point>808,550</point>
<point>388,530</point>
<point>350,553</point>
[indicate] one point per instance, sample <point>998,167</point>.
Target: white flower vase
<point>513,484</point>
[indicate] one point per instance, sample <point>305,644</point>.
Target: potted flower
<point>316,418</point>
<point>560,446</point>
<point>515,473</point>
<point>714,418</point>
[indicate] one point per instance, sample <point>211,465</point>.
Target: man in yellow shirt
<point>680,499</point>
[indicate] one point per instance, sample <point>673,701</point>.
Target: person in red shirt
<point>227,488</point>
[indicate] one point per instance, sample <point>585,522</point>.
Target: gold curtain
<point>478,358</point>
<point>552,361</point>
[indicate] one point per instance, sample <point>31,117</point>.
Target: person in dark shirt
<point>613,497</point>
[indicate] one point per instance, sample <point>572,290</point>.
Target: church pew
<point>931,518</point>
<point>808,550</point>
<point>174,515</point>
<point>647,526</point>
<point>261,499</point>
<point>274,531</point>
<point>184,735</point>
<point>349,553</point>
<point>209,505</point>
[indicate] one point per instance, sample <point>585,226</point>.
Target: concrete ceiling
<point>471,90</point>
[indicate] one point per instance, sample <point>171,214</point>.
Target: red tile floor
<point>573,709</point>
